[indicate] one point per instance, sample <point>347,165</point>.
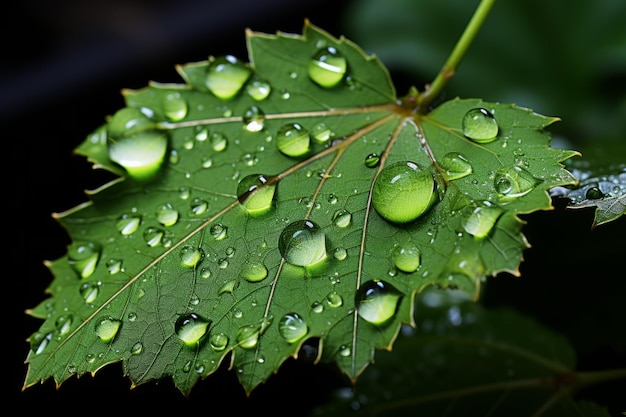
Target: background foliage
<point>57,88</point>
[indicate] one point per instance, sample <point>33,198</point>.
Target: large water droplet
<point>191,328</point>
<point>253,271</point>
<point>190,256</point>
<point>406,257</point>
<point>175,107</point>
<point>141,155</point>
<point>83,257</point>
<point>293,140</point>
<point>376,301</point>
<point>166,214</point>
<point>327,67</point>
<point>128,121</point>
<point>403,192</point>
<point>292,327</point>
<point>256,193</point>
<point>218,342</point>
<point>302,243</point>
<point>253,119</point>
<point>514,182</point>
<point>455,166</point>
<point>107,328</point>
<point>226,75</point>
<point>480,126</point>
<point>481,219</point>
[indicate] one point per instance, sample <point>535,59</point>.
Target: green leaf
<point>264,204</point>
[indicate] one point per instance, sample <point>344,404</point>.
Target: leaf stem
<point>461,47</point>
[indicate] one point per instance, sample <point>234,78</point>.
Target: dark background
<point>63,66</point>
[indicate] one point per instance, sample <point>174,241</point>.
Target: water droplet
<point>226,75</point>
<point>480,126</point>
<point>256,193</point>
<point>107,328</point>
<point>302,243</point>
<point>248,336</point>
<point>175,107</point>
<point>406,257</point>
<point>198,206</point>
<point>342,218</point>
<point>128,121</point>
<point>345,351</point>
<point>218,231</point>
<point>39,341</point>
<point>219,142</point>
<point>377,301</point>
<point>332,198</point>
<point>293,140</point>
<point>403,192</point>
<point>258,89</point>
<point>136,348</point>
<point>327,67</point>
<point>190,256</point>
<point>594,193</point>
<point>334,300</point>
<point>114,266</point>
<point>321,133</point>
<point>455,166</point>
<point>228,287</point>
<point>292,327</point>
<point>372,160</point>
<point>153,236</point>
<point>83,257</point>
<point>63,323</point>
<point>89,291</point>
<point>141,155</point>
<point>514,182</point>
<point>481,219</point>
<point>127,224</point>
<point>317,307</point>
<point>340,254</point>
<point>253,271</point>
<point>166,214</point>
<point>191,328</point>
<point>218,342</point>
<point>253,119</point>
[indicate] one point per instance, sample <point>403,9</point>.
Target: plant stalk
<point>457,54</point>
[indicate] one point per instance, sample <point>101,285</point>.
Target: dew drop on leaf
<point>175,107</point>
<point>255,192</point>
<point>83,257</point>
<point>190,256</point>
<point>292,327</point>
<point>406,257</point>
<point>302,243</point>
<point>514,182</point>
<point>372,160</point>
<point>218,142</point>
<point>226,75</point>
<point>327,67</point>
<point>39,341</point>
<point>191,328</point>
<point>228,287</point>
<point>198,206</point>
<point>63,323</point>
<point>481,219</point>
<point>321,132</point>
<point>218,231</point>
<point>376,301</point>
<point>293,140</point>
<point>334,299</point>
<point>342,218</point>
<point>141,155</point>
<point>480,126</point>
<point>253,271</point>
<point>455,166</point>
<point>127,224</point>
<point>153,236</point>
<point>107,328</point>
<point>248,336</point>
<point>253,119</point>
<point>89,291</point>
<point>258,89</point>
<point>114,266</point>
<point>136,348</point>
<point>403,191</point>
<point>166,214</point>
<point>218,342</point>
<point>128,121</point>
<point>340,254</point>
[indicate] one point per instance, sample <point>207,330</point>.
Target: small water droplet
<point>191,328</point>
<point>63,323</point>
<point>293,140</point>
<point>340,254</point>
<point>256,193</point>
<point>258,89</point>
<point>228,287</point>
<point>218,231</point>
<point>327,67</point>
<point>317,307</point>
<point>153,236</point>
<point>253,119</point>
<point>480,126</point>
<point>342,218</point>
<point>253,271</point>
<point>218,342</point>
<point>455,166</point>
<point>141,154</point>
<point>514,182</point>
<point>136,348</point>
<point>372,160</point>
<point>248,336</point>
<point>302,243</point>
<point>175,107</point>
<point>219,142</point>
<point>321,133</point>
<point>292,327</point>
<point>377,301</point>
<point>481,219</point>
<point>39,341</point>
<point>226,75</point>
<point>89,291</point>
<point>406,257</point>
<point>107,328</point>
<point>114,266</point>
<point>191,256</point>
<point>403,192</point>
<point>334,300</point>
<point>83,257</point>
<point>166,214</point>
<point>127,224</point>
<point>594,193</point>
<point>198,206</point>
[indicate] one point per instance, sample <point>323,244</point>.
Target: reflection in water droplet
<point>253,271</point>
<point>127,224</point>
<point>342,218</point>
<point>256,193</point>
<point>258,89</point>
<point>226,75</point>
<point>293,140</point>
<point>406,257</point>
<point>190,256</point>
<point>253,119</point>
<point>166,214</point>
<point>377,301</point>
<point>480,126</point>
<point>141,154</point>
<point>83,257</point>
<point>191,328</point>
<point>218,342</point>
<point>481,219</point>
<point>107,328</point>
<point>327,67</point>
<point>302,243</point>
<point>455,166</point>
<point>292,327</point>
<point>403,192</point>
<point>514,182</point>
<point>175,107</point>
